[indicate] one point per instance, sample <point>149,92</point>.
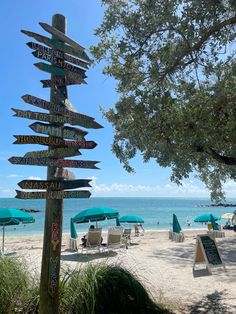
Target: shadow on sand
<point>83,257</point>
<point>211,304</point>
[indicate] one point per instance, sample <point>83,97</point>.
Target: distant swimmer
<point>157,222</point>
<point>188,223</point>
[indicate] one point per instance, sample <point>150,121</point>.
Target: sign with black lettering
<point>207,252</point>
<point>52,194</point>
<point>53,184</point>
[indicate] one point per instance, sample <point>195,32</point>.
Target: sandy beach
<point>165,267</point>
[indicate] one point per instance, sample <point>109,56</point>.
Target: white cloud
<point>188,189</point>
<point>33,178</point>
<point>14,176</point>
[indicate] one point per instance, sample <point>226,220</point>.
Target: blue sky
<point>20,77</point>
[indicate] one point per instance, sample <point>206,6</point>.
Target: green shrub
<point>104,289</point>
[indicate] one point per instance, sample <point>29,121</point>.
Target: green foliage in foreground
<point>17,290</point>
<point>105,289</point>
<point>94,289</point>
<point>175,66</point>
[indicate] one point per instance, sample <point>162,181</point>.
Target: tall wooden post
<point>50,271</point>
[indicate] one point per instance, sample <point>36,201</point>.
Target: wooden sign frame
<point>200,256</point>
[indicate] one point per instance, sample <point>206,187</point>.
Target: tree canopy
<point>175,66</point>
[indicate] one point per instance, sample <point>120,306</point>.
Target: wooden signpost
<point>64,174</point>
<point>54,153</point>
<point>59,63</point>
<point>68,63</point>
<point>53,195</point>
<point>53,118</point>
<point>53,162</point>
<point>206,251</point>
<point>58,54</point>
<point>55,43</point>
<point>66,132</point>
<point>53,141</point>
<point>55,108</point>
<point>53,184</point>
<point>52,30</point>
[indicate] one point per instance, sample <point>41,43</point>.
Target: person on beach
<point>85,237</point>
<point>234,220</point>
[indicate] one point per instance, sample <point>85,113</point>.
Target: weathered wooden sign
<point>53,162</point>
<point>206,251</point>
<point>64,174</point>
<point>63,132</point>
<point>58,54</point>
<point>54,153</point>
<point>52,30</point>
<point>57,108</point>
<point>59,71</point>
<point>53,118</point>
<point>53,185</point>
<point>58,45</point>
<point>61,82</point>
<point>53,141</point>
<point>52,194</point>
<point>58,62</point>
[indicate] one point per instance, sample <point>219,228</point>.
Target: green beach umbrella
<point>73,233</point>
<point>176,225</point>
<point>206,218</point>
<point>131,219</point>
<point>95,214</point>
<point>213,223</point>
<point>13,216</point>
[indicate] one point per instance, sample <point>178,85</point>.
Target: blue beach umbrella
<point>13,216</point>
<point>206,218</point>
<point>95,214</point>
<point>73,233</point>
<point>131,219</point>
<point>176,225</point>
<point>214,224</point>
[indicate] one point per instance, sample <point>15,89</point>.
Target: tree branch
<point>230,161</point>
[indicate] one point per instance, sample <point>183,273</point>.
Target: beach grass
<point>93,289</point>
<point>102,288</point>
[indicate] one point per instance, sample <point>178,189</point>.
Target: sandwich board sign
<point>206,252</point>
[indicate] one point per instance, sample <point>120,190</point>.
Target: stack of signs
<point>69,62</point>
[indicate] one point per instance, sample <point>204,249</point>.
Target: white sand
<point>165,267</point>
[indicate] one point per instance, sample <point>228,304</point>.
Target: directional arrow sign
<point>59,71</point>
<point>52,194</point>
<point>61,82</point>
<point>59,109</point>
<point>52,118</point>
<point>53,141</point>
<point>53,185</point>
<point>53,162</point>
<point>63,132</point>
<point>57,54</point>
<point>54,153</point>
<point>58,62</point>
<point>58,45</point>
<point>52,30</point>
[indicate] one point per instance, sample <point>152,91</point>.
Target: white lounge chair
<point>126,237</point>
<point>93,239</point>
<point>114,238</point>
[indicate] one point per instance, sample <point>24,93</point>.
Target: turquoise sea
<point>156,212</point>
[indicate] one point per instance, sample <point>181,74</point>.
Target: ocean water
<point>157,213</point>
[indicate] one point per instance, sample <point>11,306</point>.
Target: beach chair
<point>93,240</point>
<point>126,237</point>
<point>114,238</point>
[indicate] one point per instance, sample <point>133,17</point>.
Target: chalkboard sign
<point>206,252</point>
<point>211,250</point>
